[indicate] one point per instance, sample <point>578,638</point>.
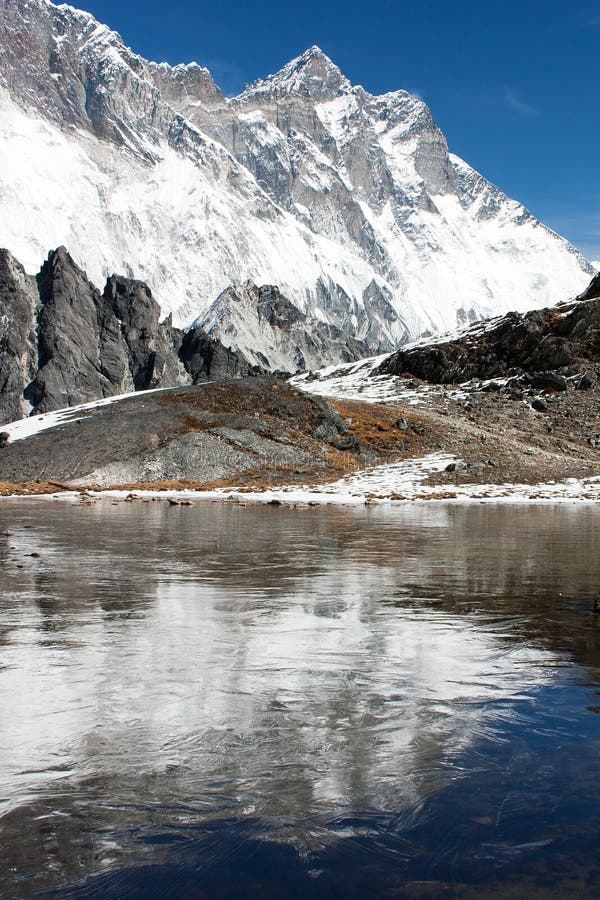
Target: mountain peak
<point>311,74</point>
<point>313,52</point>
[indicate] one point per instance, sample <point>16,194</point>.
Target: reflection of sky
<point>213,674</point>
<point>295,701</point>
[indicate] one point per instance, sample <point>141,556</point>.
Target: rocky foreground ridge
<point>255,430</point>
<point>64,342</point>
<point>541,348</point>
<point>515,400</point>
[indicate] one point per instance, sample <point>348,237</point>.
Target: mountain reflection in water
<point>226,701</point>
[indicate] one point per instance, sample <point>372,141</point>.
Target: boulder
<point>462,468</point>
<point>584,383</point>
<point>548,381</point>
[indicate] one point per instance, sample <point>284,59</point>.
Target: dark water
<point>227,701</point>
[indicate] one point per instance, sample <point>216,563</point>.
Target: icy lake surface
<point>226,701</point>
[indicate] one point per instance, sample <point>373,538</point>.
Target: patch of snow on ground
<point>355,381</point>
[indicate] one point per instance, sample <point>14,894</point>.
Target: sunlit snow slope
<point>350,203</point>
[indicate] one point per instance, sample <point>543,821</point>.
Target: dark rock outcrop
<point>62,342</point>
<point>544,344</point>
<point>592,290</point>
<point>92,345</point>
<point>74,325</point>
<point>152,347</point>
<point>205,357</point>
<point>18,343</point>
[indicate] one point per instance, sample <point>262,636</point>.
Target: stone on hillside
<point>584,383</point>
<point>462,468</point>
<point>548,381</point>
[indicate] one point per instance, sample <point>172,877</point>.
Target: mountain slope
<point>349,203</point>
<point>270,332</point>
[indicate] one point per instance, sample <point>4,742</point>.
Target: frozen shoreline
<point>395,483</point>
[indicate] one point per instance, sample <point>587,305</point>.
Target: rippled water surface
<point>247,701</point>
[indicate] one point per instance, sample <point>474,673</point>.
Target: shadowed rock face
<point>92,345</point>
<point>151,347</point>
<point>592,290</point>
<point>75,331</point>
<point>206,357</point>
<point>18,345</point>
<point>63,342</point>
<point>544,340</point>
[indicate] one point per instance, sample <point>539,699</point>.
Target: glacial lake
<point>242,701</point>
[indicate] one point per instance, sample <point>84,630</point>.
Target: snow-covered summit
<point>312,74</point>
<point>350,203</point>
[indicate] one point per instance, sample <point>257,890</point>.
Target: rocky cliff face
<point>18,341</point>
<point>63,342</point>
<point>351,204</point>
<point>272,334</point>
<point>151,349</point>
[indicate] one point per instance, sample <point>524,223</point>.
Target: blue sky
<point>514,85</point>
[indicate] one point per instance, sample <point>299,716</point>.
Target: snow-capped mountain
<point>351,204</point>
